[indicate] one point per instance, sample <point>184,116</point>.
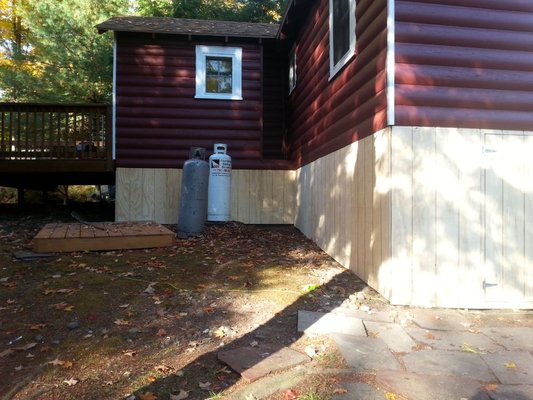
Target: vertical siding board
<point>122,201</point>
<point>136,194</point>
<point>148,194</point>
<point>470,210</point>
<point>399,276</point>
<point>447,214</point>
<point>513,220</point>
<point>528,226</point>
<point>493,220</point>
<point>424,218</point>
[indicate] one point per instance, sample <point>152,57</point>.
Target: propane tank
<point>193,205</point>
<point>218,203</point>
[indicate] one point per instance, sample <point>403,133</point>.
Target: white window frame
<point>202,52</point>
<point>335,68</point>
<point>293,62</point>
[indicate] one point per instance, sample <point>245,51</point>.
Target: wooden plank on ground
<point>114,236</point>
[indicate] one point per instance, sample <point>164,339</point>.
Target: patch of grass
<point>215,396</point>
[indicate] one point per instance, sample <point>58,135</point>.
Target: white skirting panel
<point>432,217</point>
<point>462,218</point>
<point>257,196</point>
<point>343,203</point>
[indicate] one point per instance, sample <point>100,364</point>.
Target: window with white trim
<point>292,70</point>
<point>341,34</point>
<point>218,72</point>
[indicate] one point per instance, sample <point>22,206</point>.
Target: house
<point>395,134</point>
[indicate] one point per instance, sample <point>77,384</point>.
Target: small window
<point>292,70</point>
<point>341,34</point>
<point>218,72</point>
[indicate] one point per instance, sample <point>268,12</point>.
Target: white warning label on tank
<point>220,167</point>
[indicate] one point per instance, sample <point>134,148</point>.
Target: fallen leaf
<point>37,327</point>
<point>491,387</point>
<point>25,347</point>
<point>391,396</point>
<point>510,365</point>
<point>60,306</point>
<point>152,378</point>
<point>6,353</point>
<point>219,333</point>
<point>469,349</point>
<point>71,382</point>
<point>147,396</point>
<point>150,288</point>
<point>121,322</point>
<point>161,333</point>
<point>290,394</point>
<point>18,368</point>
<point>181,395</point>
<point>163,368</point>
<point>233,278</point>
<point>431,336</point>
<point>57,361</point>
<point>67,364</point>
<point>124,305</point>
<point>129,353</point>
<point>209,310</point>
<point>204,385</point>
<point>340,391</point>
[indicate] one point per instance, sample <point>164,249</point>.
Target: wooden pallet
<point>102,236</point>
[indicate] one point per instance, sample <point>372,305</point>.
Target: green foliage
<point>70,61</point>
<point>228,10</point>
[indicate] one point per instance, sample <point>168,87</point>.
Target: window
<point>292,70</point>
<point>218,72</point>
<point>341,34</point>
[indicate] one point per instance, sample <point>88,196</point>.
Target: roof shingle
<point>180,26</point>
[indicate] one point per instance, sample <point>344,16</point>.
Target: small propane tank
<point>193,205</point>
<point>218,203</point>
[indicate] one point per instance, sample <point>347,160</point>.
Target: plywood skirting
<point>460,224</point>
<point>343,203</point>
<point>257,196</point>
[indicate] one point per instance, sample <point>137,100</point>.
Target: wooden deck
<point>45,145</point>
<point>102,236</point>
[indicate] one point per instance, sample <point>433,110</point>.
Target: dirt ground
<point>147,324</point>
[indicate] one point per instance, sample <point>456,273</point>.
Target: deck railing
<point>55,131</point>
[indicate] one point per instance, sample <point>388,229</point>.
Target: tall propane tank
<point>218,203</point>
<point>193,205</point>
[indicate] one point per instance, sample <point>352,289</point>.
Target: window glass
<point>292,70</point>
<point>218,75</point>
<point>341,33</point>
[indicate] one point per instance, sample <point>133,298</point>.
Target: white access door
<point>508,222</point>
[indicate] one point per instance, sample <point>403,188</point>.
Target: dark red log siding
<point>274,94</point>
<point>464,63</point>
<point>157,116</point>
<point>327,115</point>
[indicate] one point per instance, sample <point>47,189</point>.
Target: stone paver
<point>515,338</point>
<point>256,362</point>
<point>441,362</point>
<point>511,367</point>
<point>322,323</point>
<point>359,391</point>
<point>422,387</point>
<point>393,335</point>
<point>364,353</point>
<point>448,320</point>
<point>453,340</point>
<point>377,316</point>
